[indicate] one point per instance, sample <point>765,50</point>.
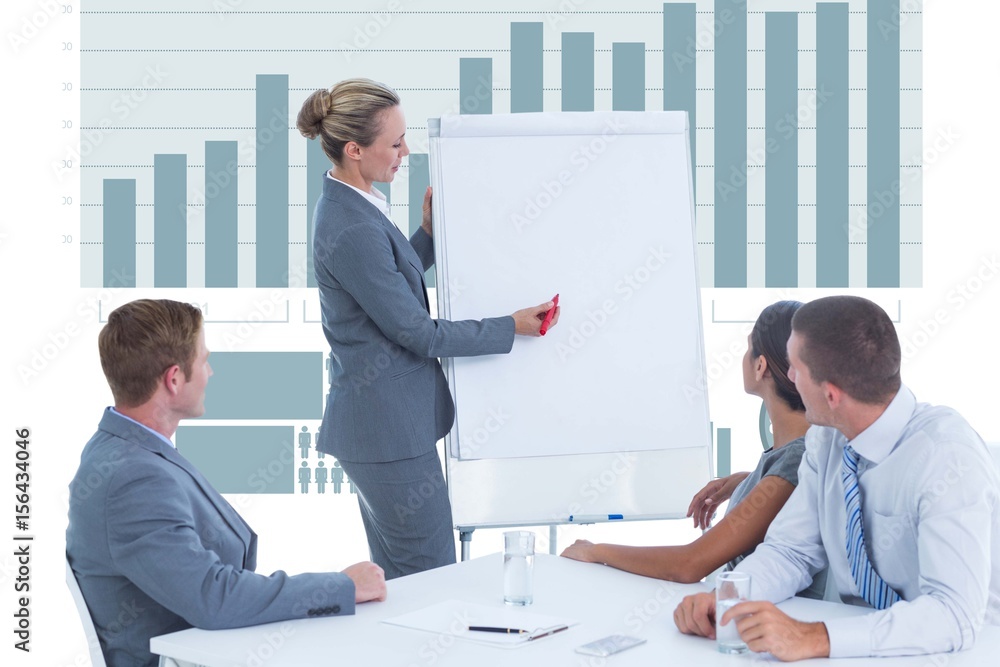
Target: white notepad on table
<point>453,617</point>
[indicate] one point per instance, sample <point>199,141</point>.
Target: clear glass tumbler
<point>731,588</point>
<point>518,563</point>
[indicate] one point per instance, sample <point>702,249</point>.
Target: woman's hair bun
<point>314,110</point>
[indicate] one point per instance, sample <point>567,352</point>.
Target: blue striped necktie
<point>873,588</point>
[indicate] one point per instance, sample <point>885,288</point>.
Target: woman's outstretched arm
<point>742,529</point>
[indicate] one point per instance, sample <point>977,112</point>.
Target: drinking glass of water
<point>731,588</point>
<point>518,562</point>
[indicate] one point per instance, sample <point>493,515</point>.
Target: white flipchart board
<point>607,413</point>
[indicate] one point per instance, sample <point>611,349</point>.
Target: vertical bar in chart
<point>628,76</point>
<point>525,67</point>
<point>272,180</point>
<point>730,203</point>
<point>169,220</point>
<point>679,58</point>
<point>221,212</point>
<point>119,232</point>
<point>475,85</point>
<point>317,164</point>
<point>883,144</point>
<point>420,178</point>
<point>386,190</point>
<point>832,145</point>
<point>723,452</point>
<point>781,171</point>
<point>578,71</point>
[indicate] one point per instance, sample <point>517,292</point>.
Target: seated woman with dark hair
<point>756,497</point>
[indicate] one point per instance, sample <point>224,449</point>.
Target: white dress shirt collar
<point>376,198</point>
<point>878,440</point>
<point>156,433</point>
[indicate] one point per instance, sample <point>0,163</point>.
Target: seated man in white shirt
<point>922,546</point>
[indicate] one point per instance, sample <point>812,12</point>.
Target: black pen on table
<point>486,628</point>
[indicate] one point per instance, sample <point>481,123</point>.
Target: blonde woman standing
<point>389,402</point>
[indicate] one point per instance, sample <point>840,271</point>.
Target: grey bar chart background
<point>832,198</point>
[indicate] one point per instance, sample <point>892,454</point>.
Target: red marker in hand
<point>548,315</point>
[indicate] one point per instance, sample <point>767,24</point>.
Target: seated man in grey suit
<point>154,547</point>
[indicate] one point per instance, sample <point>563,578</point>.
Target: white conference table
<point>604,600</point>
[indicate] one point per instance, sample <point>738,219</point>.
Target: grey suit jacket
<point>156,549</point>
<point>388,397</point>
